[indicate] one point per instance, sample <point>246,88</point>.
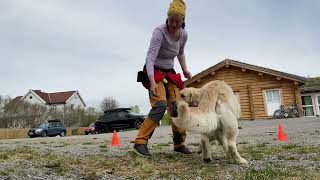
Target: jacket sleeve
<point>154,47</point>
<point>184,41</point>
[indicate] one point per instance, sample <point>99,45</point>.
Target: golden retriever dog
<point>212,111</point>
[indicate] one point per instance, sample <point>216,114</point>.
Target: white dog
<point>214,117</point>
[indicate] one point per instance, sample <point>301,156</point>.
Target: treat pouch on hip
<point>142,76</point>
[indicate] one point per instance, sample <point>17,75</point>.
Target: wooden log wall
<point>251,85</point>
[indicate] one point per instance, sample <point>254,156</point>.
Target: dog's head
<point>191,96</point>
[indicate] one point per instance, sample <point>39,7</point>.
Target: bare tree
<point>109,103</point>
<point>90,116</point>
<point>19,114</point>
<point>4,101</point>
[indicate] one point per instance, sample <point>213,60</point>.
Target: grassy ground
<point>286,161</point>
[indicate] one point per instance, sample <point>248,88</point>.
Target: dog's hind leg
<point>223,140</point>
<point>213,144</point>
<point>233,149</point>
<point>206,150</point>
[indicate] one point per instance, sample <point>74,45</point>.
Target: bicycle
<point>294,111</point>
<point>280,113</point>
<point>291,112</point>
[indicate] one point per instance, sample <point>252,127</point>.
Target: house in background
<point>56,100</point>
<point>260,90</point>
<point>310,94</point>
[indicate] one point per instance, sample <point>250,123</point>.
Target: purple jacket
<point>163,49</point>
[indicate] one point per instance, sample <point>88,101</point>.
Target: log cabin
<point>260,91</point>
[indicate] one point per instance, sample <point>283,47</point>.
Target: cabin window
<point>272,100</point>
<point>307,106</point>
<point>273,96</point>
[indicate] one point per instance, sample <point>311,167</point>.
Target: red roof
<point>54,98</point>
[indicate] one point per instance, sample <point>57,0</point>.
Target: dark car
<point>91,129</point>
<point>50,128</point>
<point>118,119</point>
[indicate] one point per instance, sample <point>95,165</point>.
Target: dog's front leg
<point>199,148</point>
<point>206,150</point>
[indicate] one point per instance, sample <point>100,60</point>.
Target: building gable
<point>76,100</point>
<point>244,66</point>
<point>32,97</point>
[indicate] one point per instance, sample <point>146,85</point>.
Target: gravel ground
<point>300,132</point>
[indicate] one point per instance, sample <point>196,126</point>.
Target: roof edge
<point>231,62</point>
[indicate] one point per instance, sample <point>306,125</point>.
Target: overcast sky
<point>97,46</point>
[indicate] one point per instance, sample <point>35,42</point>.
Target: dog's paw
<point>238,161</point>
<point>242,161</point>
<point>207,160</point>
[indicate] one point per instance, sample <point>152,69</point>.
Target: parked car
<point>50,128</point>
<point>118,119</point>
<point>91,129</point>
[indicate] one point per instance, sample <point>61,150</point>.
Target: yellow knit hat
<point>177,7</point>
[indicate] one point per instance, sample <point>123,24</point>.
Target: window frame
<point>308,106</point>
<point>264,95</point>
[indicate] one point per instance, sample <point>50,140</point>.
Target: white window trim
<point>314,107</point>
<point>317,104</point>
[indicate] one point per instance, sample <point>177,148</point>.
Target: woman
<point>164,85</point>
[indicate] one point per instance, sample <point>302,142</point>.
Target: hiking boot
<point>183,149</point>
<point>141,150</point>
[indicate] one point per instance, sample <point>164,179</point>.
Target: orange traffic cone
<point>281,135</point>
<point>115,139</point>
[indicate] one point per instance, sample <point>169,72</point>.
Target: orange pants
<point>168,93</point>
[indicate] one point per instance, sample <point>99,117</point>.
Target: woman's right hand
<point>154,88</point>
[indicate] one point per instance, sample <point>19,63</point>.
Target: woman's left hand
<point>187,74</point>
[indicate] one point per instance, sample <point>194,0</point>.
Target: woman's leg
<point>159,106</point>
<point>179,135</point>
